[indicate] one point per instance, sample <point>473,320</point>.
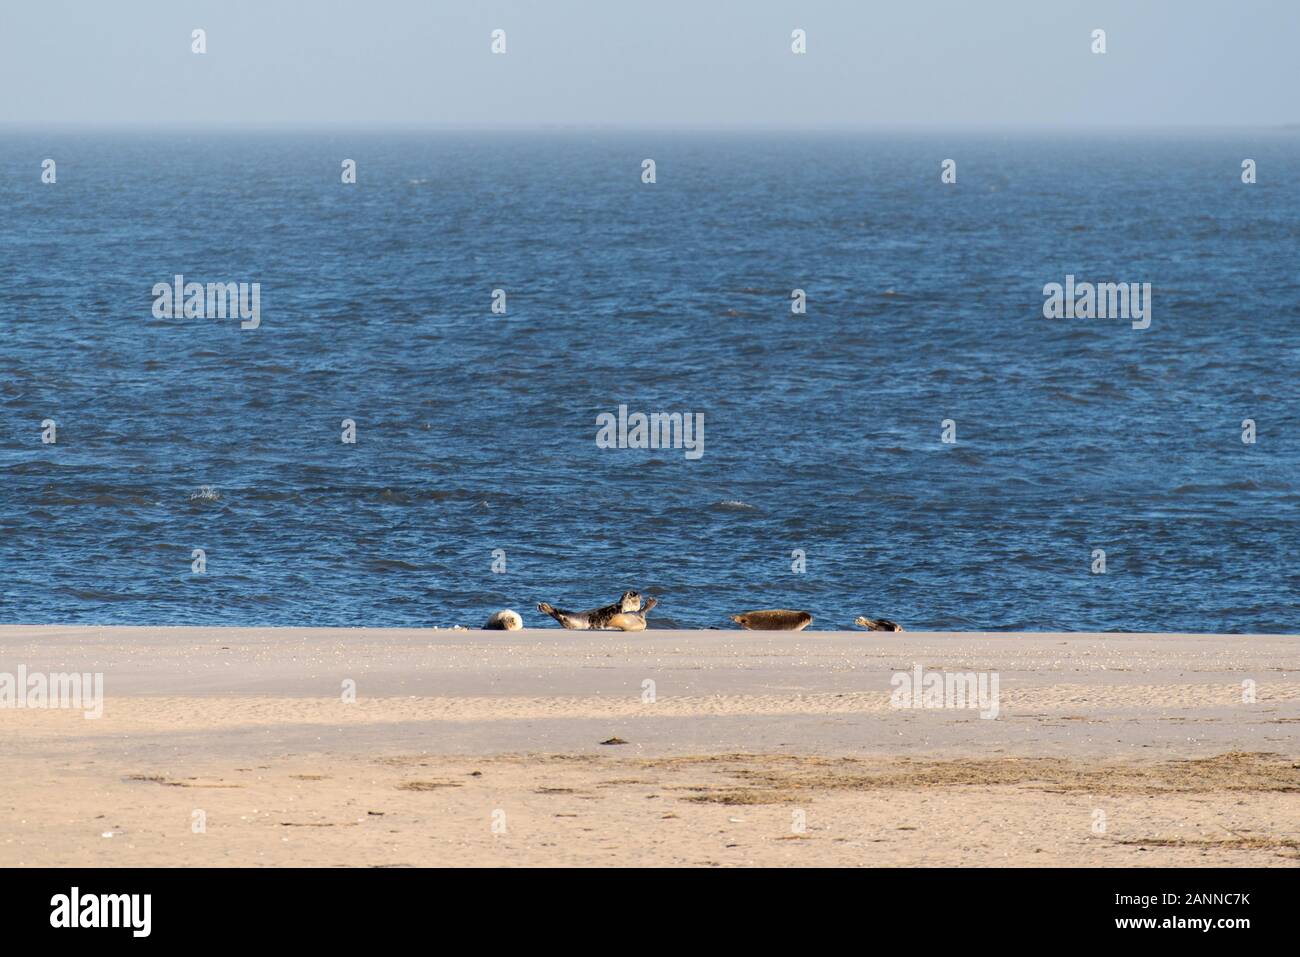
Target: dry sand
<point>484,748</point>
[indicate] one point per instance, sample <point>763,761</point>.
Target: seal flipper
<point>565,618</point>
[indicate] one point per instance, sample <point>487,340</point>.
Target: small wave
<point>734,505</point>
<point>36,467</point>
<point>1241,485</point>
<point>94,595</point>
<point>391,565</point>
<point>205,493</point>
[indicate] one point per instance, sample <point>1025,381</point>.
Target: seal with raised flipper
<point>877,624</point>
<point>505,620</point>
<point>773,619</point>
<point>593,618</point>
<point>632,620</point>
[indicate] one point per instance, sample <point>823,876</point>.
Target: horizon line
<point>561,127</point>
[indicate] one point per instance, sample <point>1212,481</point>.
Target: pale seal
<point>774,619</point>
<point>877,624</point>
<point>595,617</point>
<point>504,620</point>
<point>633,620</point>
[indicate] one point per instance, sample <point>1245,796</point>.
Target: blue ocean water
<point>476,432</point>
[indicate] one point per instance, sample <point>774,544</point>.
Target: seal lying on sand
<point>878,624</point>
<point>633,620</point>
<point>504,620</point>
<point>596,617</point>
<point>773,619</point>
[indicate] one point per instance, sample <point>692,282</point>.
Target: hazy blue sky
<point>654,62</point>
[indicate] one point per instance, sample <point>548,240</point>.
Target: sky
<point>650,63</point>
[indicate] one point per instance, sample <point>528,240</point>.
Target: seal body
<point>596,617</point>
<point>504,620</point>
<point>633,620</point>
<point>877,624</point>
<point>773,619</point>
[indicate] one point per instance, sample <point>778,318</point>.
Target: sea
<point>891,424</point>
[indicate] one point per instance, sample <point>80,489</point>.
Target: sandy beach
<point>244,746</point>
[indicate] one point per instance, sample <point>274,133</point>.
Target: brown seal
<point>773,619</point>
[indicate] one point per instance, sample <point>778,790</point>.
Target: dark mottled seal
<point>877,624</point>
<point>773,619</point>
<point>595,617</point>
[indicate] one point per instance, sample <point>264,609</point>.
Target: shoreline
<point>746,748</point>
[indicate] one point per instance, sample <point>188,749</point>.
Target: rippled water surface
<point>476,432</point>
